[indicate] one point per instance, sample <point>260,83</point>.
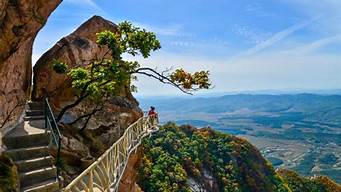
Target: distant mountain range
<point>327,107</point>
<point>250,92</point>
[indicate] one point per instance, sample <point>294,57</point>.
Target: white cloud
<point>278,37</point>
<point>169,30</point>
<point>253,7</point>
<point>172,30</point>
<point>330,9</point>
<point>314,46</point>
<point>252,36</point>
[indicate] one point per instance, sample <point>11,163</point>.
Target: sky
<point>246,45</point>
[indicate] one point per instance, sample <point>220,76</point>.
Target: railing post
<point>45,113</point>
<point>45,105</point>
<point>51,124</point>
<point>58,159</point>
<point>91,181</point>
<point>107,172</point>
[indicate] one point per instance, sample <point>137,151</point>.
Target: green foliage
<point>129,39</point>
<point>59,67</point>
<point>235,164</point>
<point>298,183</point>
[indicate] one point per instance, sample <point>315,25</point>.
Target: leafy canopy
<point>174,154</point>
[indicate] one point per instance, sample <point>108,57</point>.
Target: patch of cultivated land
<point>289,151</point>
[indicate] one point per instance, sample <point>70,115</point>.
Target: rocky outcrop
<point>78,49</point>
<point>107,125</point>
<point>20,22</point>
<point>128,182</point>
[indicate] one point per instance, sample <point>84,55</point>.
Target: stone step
<point>35,112</point>
<point>37,176</point>
<point>34,140</point>
<point>35,105</point>
<point>27,153</point>
<point>31,118</point>
<point>45,186</point>
<point>33,164</point>
<point>27,128</point>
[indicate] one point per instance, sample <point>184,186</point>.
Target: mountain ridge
<point>184,158</point>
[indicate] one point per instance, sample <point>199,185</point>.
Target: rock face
<point>77,49</point>
<point>20,22</point>
<point>104,128</point>
<point>128,182</point>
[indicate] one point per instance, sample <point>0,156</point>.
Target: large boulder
<point>78,49</point>
<point>20,22</point>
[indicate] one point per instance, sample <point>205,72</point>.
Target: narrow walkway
<point>106,172</point>
<point>28,145</point>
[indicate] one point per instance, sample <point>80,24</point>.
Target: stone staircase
<point>27,145</point>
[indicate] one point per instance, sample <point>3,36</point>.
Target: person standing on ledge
<point>153,114</point>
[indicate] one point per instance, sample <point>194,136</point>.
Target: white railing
<point>106,172</point>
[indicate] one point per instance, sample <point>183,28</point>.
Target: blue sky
<point>247,45</point>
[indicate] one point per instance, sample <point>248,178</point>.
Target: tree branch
<point>74,104</point>
<point>159,76</point>
<point>86,123</point>
<point>82,96</point>
<point>95,110</point>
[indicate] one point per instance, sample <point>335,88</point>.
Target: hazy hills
<point>229,103</point>
<point>317,107</point>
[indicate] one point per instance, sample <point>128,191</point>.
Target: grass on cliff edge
<point>175,155</point>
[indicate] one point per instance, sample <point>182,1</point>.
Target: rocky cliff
<point>80,147</point>
<point>20,22</point>
<point>128,182</point>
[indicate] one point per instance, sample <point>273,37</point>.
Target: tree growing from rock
<point>105,77</point>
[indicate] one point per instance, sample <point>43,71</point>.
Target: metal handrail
<point>56,136</point>
<point>106,172</point>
